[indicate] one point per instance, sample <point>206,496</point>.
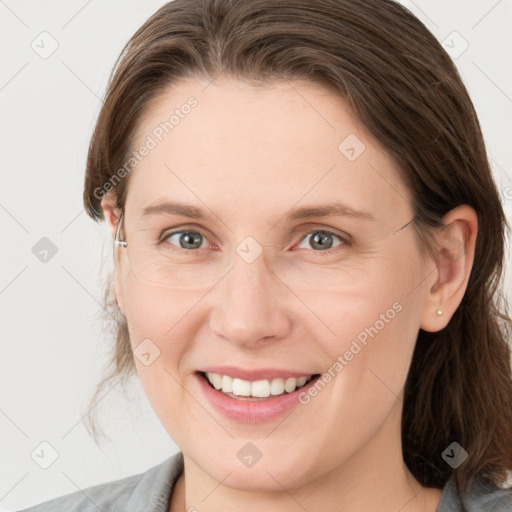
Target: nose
<point>250,304</point>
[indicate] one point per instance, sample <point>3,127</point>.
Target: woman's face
<point>252,292</point>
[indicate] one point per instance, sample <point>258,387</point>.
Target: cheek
<point>171,322</point>
<point>156,313</point>
<point>370,327</point>
<point>156,321</point>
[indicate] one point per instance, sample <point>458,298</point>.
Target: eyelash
<point>345,241</point>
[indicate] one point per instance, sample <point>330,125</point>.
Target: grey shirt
<point>151,491</point>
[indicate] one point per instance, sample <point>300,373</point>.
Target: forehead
<point>228,145</point>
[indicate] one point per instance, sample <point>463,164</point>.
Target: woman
<point>308,244</point>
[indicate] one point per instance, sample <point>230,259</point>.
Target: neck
<point>375,478</point>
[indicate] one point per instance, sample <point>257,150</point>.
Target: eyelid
<point>312,228</point>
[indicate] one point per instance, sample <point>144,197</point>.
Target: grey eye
<point>187,239</point>
<point>321,240</point>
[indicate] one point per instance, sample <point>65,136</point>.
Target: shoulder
<point>483,496</point>
<point>149,491</point>
<point>486,496</point>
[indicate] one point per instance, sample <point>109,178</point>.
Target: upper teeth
<point>258,388</point>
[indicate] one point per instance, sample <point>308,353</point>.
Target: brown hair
<point>406,90</point>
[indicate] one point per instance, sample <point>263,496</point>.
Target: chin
<point>270,473</point>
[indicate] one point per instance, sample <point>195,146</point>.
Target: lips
<point>249,409</point>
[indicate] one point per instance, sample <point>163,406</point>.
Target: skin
<point>267,149</point>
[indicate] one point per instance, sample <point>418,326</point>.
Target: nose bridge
<point>251,264</point>
<point>248,305</point>
<point>249,282</point>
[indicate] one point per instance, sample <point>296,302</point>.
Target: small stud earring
<point>439,312</point>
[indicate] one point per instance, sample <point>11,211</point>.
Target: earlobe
<point>456,249</point>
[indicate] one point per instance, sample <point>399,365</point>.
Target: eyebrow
<point>338,208</point>
<point>174,208</point>
<point>301,213</point>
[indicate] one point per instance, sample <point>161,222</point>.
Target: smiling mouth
<point>264,389</point>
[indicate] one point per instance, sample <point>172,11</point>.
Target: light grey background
<point>53,349</point>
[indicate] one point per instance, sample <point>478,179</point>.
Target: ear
<point>449,279</point>
<point>112,213</point>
